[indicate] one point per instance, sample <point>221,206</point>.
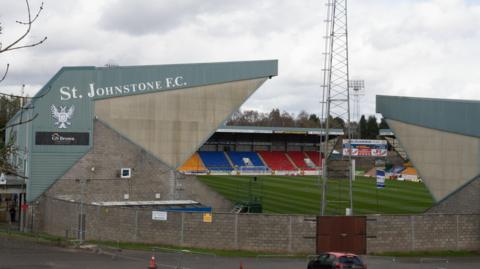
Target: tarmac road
<point>18,253</point>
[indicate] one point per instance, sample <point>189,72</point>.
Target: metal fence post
<point>235,227</point>
<point>457,232</point>
<point>412,226</point>
<point>182,228</point>
<point>290,231</point>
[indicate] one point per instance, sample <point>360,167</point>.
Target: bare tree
<point>7,148</point>
<point>17,43</point>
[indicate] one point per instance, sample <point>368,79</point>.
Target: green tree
<point>372,127</point>
<point>9,105</point>
<point>383,124</point>
<point>314,119</point>
<point>337,123</point>
<point>363,127</point>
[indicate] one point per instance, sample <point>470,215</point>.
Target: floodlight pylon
<point>336,93</point>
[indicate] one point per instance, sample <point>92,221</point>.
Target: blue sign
<point>380,179</point>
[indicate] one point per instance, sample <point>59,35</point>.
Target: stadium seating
<point>246,158</point>
<point>277,160</point>
<point>215,160</point>
<point>315,157</point>
<point>194,164</point>
<point>398,169</point>
<point>298,157</point>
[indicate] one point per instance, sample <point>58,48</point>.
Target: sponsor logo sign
<point>62,138</point>
<point>365,148</point>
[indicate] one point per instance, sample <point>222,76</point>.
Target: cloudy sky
<point>425,48</point>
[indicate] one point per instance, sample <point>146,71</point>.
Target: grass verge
<point>51,240</point>
<point>166,248</point>
<point>446,253</point>
<point>41,238</point>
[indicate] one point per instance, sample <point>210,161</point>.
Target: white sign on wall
<point>62,115</point>
<point>68,92</point>
<point>159,215</point>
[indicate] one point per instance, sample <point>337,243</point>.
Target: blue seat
<point>215,160</point>
<point>398,169</point>
<point>237,158</point>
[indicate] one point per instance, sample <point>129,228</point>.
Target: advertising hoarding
<point>365,148</point>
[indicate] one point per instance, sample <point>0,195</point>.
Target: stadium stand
<point>298,158</point>
<point>194,164</point>
<point>277,160</point>
<point>315,157</point>
<point>245,158</point>
<point>398,169</point>
<point>251,162</point>
<point>410,174</point>
<point>215,160</point>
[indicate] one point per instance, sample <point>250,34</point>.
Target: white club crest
<point>62,116</point>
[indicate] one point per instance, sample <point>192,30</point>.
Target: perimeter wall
<point>255,232</point>
<point>273,233</point>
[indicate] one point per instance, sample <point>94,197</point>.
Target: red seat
<point>298,157</point>
<point>277,160</point>
<point>315,157</point>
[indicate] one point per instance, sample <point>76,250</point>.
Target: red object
<point>24,207</point>
<point>277,160</point>
<point>315,157</point>
<point>153,263</point>
<point>298,157</point>
<point>241,265</point>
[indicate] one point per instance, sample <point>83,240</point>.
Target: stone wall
<point>464,201</point>
<point>96,176</point>
<point>432,232</point>
<point>255,232</point>
<point>271,233</point>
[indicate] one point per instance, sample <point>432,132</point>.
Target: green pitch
<point>302,194</point>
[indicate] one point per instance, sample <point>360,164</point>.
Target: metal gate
<point>342,233</point>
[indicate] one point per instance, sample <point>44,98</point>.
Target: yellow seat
<point>194,164</point>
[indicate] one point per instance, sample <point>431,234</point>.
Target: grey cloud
<point>150,16</point>
<point>218,17</point>
<point>394,47</point>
